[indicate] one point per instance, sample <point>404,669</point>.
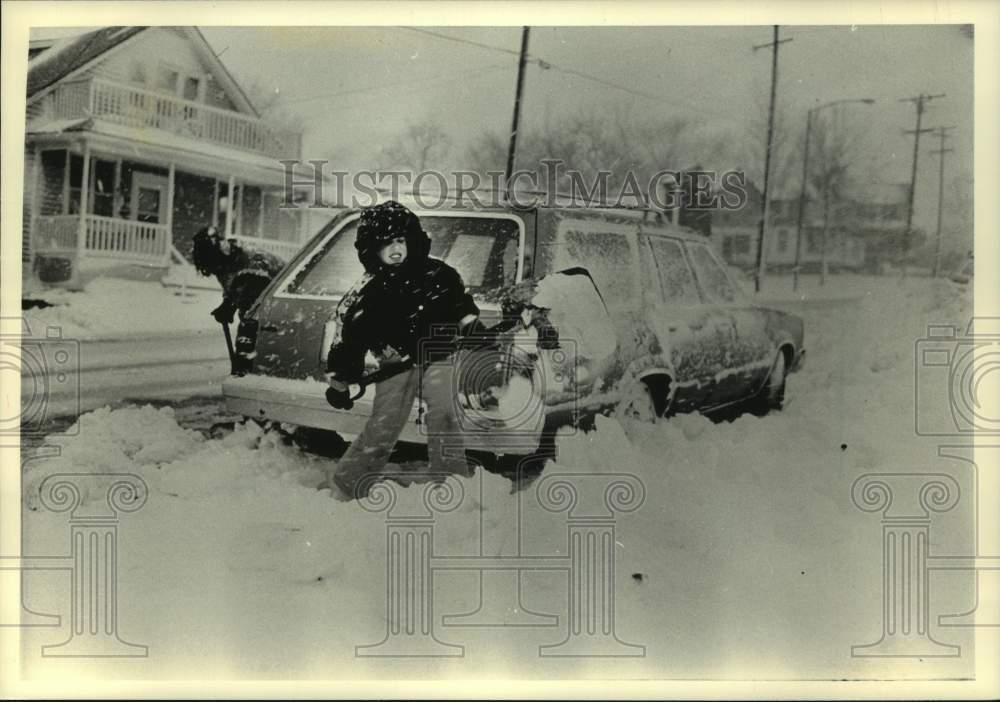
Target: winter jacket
<point>412,309</point>
<point>244,275</point>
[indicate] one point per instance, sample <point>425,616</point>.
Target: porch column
<point>81,232</point>
<point>260,216</point>
<point>171,174</point>
<point>36,197</point>
<point>117,199</point>
<point>229,207</point>
<point>65,191</point>
<point>215,202</point>
<point>238,214</point>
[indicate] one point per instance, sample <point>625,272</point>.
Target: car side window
<point>648,278</point>
<point>608,258</point>
<point>712,276</point>
<point>675,274</point>
<point>333,270</point>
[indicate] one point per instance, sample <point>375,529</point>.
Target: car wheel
<point>638,405</point>
<point>772,395</point>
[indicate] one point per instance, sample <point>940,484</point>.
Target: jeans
<point>394,397</point>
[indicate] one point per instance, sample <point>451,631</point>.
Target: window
<point>607,256</point>
<point>782,240</point>
<point>678,283</point>
<point>482,250</point>
<point>741,244</point>
<point>166,79</point>
<point>334,269</point>
<point>191,88</point>
<point>714,281</point>
<point>648,278</point>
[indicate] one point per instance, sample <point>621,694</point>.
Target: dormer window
<point>167,80</point>
<point>192,88</point>
<point>173,80</point>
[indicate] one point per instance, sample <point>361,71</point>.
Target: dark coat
<point>413,309</point>
<point>243,276</point>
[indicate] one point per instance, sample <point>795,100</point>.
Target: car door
<point>688,330</point>
<point>743,354</point>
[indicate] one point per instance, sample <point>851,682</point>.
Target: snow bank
<point>745,559</point>
<point>112,308</point>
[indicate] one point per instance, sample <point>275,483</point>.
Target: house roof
<point>71,54</point>
<point>65,57</point>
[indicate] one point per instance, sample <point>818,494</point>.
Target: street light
<point>805,176</point>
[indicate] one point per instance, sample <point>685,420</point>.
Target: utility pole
<point>942,134</point>
<point>919,102</point>
<point>512,150</point>
<point>773,45</point>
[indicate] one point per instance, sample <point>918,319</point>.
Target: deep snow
<point>747,558</point>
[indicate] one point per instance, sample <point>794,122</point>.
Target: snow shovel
<point>337,400</point>
<point>229,347</point>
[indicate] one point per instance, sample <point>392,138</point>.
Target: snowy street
<point>130,370</point>
<point>746,556</point>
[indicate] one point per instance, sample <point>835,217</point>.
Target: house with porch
<point>137,137</point>
<point>857,229</point>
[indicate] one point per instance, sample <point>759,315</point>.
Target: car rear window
<point>608,258</point>
<point>484,250</point>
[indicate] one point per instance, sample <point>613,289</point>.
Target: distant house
<point>136,137</point>
<point>861,235</point>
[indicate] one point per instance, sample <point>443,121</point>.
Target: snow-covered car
<point>640,316</point>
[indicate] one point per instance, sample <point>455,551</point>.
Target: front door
<point>149,198</point>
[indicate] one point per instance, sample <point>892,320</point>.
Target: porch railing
<point>136,107</point>
<point>282,249</point>
<point>106,237</point>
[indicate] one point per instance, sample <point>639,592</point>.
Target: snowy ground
<point>113,308</point>
<point>746,559</point>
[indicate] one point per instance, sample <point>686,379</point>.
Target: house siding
<point>145,54</point>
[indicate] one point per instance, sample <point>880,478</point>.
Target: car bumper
<point>303,403</point>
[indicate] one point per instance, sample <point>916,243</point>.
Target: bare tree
<point>421,146</point>
<point>833,148</point>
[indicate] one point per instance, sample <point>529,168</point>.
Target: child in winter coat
<point>242,273</point>
<point>404,300</point>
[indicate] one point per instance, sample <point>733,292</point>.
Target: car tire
<point>772,395</point>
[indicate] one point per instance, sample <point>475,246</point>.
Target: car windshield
<point>484,250</point>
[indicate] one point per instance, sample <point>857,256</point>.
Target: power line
<point>919,102</point>
<point>384,86</point>
<point>463,41</point>
<point>546,65</point>
<point>941,134</point>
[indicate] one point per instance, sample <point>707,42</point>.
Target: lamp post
<point>805,177</point>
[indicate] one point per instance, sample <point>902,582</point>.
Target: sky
<point>356,88</point>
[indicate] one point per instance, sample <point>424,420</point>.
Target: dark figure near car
<point>243,273</point>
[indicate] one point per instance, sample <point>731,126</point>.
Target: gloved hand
<point>224,313</point>
<point>339,399</point>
